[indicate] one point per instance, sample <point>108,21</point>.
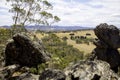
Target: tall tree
<point>32,11</point>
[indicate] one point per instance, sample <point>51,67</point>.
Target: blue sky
<point>88,13</point>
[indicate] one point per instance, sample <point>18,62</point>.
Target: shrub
<point>62,53</point>
<point>72,37</point>
<point>64,38</point>
<point>33,70</point>
<point>41,67</point>
<point>5,34</point>
<point>86,40</point>
<point>79,41</point>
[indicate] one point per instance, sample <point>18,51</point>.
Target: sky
<point>86,13</point>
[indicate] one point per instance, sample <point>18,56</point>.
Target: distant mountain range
<point>53,28</point>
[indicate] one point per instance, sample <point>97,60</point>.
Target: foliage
<point>72,37</point>
<point>5,34</point>
<point>37,70</point>
<point>82,39</point>
<point>17,29</point>
<point>33,70</point>
<point>32,11</point>
<point>64,38</point>
<point>41,67</point>
<point>62,53</point>
<point>86,40</point>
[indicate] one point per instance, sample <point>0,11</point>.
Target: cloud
<point>80,12</point>
<point>87,13</point>
<point>5,16</point>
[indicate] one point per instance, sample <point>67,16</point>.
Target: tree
<point>32,11</point>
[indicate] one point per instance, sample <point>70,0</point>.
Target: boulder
<point>25,52</point>
<point>108,34</point>
<point>90,70</point>
<point>107,44</point>
<point>52,74</point>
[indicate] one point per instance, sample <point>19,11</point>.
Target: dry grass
<point>77,33</point>
<point>82,47</point>
<point>40,35</point>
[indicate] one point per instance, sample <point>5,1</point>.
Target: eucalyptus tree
<point>32,12</point>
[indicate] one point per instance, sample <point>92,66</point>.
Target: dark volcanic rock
<point>111,56</point>
<point>107,45</point>
<point>108,34</point>
<point>25,52</point>
<point>52,74</point>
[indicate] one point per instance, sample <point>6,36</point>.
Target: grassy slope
<point>82,47</point>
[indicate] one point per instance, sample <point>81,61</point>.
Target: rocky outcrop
<point>90,70</point>
<point>6,72</point>
<point>83,70</point>
<point>107,45</point>
<point>28,53</point>
<point>52,74</point>
<point>12,73</point>
<point>25,76</point>
<point>25,52</point>
<point>109,34</point>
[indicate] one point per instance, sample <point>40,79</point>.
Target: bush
<point>79,41</point>
<point>86,40</point>
<point>72,37</point>
<point>33,70</point>
<point>18,29</point>
<point>41,67</point>
<point>62,53</point>
<point>64,38</point>
<point>5,34</point>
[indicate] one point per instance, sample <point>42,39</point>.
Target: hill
<point>53,28</point>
